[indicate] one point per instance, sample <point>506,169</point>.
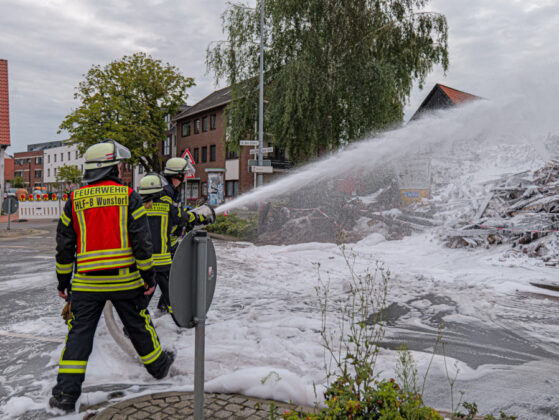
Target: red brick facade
<point>4,105</point>
<point>29,165</point>
<point>8,169</point>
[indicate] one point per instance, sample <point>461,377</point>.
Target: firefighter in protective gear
<point>162,218</point>
<point>103,239</point>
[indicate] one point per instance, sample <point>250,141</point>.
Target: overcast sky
<point>497,47</point>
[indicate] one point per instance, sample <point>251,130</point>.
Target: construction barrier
<point>45,209</point>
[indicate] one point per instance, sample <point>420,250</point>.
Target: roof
<point>216,99</point>
<point>457,96</point>
<point>45,145</point>
<point>4,105</point>
<point>441,97</point>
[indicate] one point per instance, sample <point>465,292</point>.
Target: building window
<point>37,161</point>
<point>55,171</point>
<point>61,157</point>
<point>231,188</point>
<point>38,174</point>
<point>212,153</point>
<point>48,172</point>
<point>54,157</point>
<point>48,158</point>
<point>212,121</point>
<point>196,156</point>
<point>140,169</point>
<point>186,129</point>
<point>69,158</point>
<point>77,155</point>
<point>18,174</point>
<point>205,124</point>
<point>204,154</point>
<point>192,190</point>
<point>204,188</point>
<point>167,146</point>
<point>230,154</point>
<point>196,126</point>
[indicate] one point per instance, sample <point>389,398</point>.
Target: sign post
<point>191,288</point>
<point>10,206</point>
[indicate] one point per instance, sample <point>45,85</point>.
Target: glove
<point>67,312</point>
<point>148,276</point>
<point>205,215</point>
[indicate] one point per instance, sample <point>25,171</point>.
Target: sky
<point>496,47</point>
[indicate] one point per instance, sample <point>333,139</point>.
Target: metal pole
<point>261,99</point>
<point>9,214</point>
<point>201,240</point>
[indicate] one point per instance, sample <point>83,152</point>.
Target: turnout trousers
<point>87,307</point>
<point>162,279</point>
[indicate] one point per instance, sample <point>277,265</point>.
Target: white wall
<point>50,166</point>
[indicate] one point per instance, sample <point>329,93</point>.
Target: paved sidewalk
<point>180,405</point>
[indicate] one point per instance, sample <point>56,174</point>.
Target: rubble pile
<point>521,210</point>
<point>329,215</point>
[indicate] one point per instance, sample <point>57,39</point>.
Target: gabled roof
<point>4,105</point>
<point>441,97</point>
<point>457,96</point>
<point>213,100</point>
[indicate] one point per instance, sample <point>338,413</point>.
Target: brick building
<point>4,122</point>
<point>8,170</point>
<point>201,130</point>
<point>29,166</point>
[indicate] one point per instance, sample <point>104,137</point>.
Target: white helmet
<point>101,157</point>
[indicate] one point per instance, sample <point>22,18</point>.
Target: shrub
<point>234,225</point>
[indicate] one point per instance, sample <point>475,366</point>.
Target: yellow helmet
<point>101,158</point>
<point>150,184</point>
<point>175,166</point>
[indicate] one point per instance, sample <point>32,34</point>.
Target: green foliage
<point>233,225</point>
<point>69,174</point>
<point>334,71</point>
<point>128,100</point>
<point>472,410</point>
<point>18,182</point>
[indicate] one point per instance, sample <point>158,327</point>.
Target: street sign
<point>262,169</point>
<point>254,162</point>
<point>191,169</point>
<point>249,142</point>
<point>183,276</point>
<point>10,205</point>
<point>264,150</point>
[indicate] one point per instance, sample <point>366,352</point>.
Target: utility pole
<point>261,99</point>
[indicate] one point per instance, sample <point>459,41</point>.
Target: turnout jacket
<point>186,219</point>
<point>103,237</point>
<point>163,219</point>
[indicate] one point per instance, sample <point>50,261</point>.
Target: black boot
<point>63,402</point>
<point>169,359</point>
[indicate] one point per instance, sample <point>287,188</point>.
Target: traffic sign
<point>264,150</point>
<point>191,169</point>
<point>254,162</point>
<point>262,169</point>
<point>10,205</point>
<point>249,142</point>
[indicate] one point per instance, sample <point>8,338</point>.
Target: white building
<point>56,157</point>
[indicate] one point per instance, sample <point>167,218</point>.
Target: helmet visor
<point>121,152</point>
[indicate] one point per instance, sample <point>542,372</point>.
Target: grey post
<point>201,240</point>
<point>261,99</point>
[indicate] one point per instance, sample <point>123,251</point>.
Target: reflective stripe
<point>167,199</point>
<point>151,357</point>
<point>123,225</point>
<point>121,278</point>
<point>64,268</point>
<point>106,264</point>
<point>81,222</point>
<point>65,219</point>
<point>126,252</point>
<point>144,264</point>
<point>139,213</point>
<point>192,217</point>
<point>159,260</point>
<point>72,366</point>
<point>105,287</point>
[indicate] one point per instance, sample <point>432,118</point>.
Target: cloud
<point>496,47</point>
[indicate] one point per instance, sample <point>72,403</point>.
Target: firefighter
<point>163,217</point>
<point>103,239</point>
